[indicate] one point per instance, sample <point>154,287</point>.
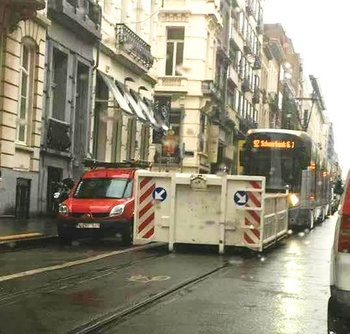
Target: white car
<point>339,302</point>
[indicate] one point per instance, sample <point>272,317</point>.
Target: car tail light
<point>344,234</point>
<point>344,229</point>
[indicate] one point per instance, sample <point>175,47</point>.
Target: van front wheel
<point>128,235</point>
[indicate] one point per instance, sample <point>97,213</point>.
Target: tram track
<point>73,280</point>
<point>103,323</point>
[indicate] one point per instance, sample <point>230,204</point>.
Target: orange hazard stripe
<point>254,199</point>
<point>248,239</point>
<point>147,193</point>
<point>149,233</point>
<point>146,222</point>
<point>254,215</point>
<point>144,182</point>
<point>256,233</point>
<point>145,209</point>
<point>255,184</point>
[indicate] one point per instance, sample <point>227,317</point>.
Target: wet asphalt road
<point>284,291</point>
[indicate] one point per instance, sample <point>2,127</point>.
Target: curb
<point>26,241</point>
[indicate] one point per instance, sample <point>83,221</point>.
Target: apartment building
<point>23,27</point>
<point>67,108</point>
<point>124,114</point>
<point>209,72</point>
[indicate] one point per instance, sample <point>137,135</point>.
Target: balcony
<point>249,7</point>
<point>223,56</point>
<point>78,14</point>
<point>246,124</point>
<point>256,96</point>
<point>209,88</point>
<point>232,77</point>
<point>132,50</point>
<point>12,12</point>
<point>260,27</point>
<point>58,136</point>
<point>246,85</point>
<point>265,99</point>
<point>219,115</point>
<point>248,50</point>
<point>173,84</point>
<point>236,40</point>
<point>257,63</point>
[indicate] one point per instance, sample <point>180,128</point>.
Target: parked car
<point>101,204</point>
<point>339,302</point>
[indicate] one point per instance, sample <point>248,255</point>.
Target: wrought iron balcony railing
<point>260,27</point>
<point>257,63</point>
<point>249,7</point>
<point>135,46</point>
<point>246,86</point>
<point>209,87</point>
<point>256,96</point>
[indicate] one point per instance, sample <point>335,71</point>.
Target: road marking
<point>147,279</point>
<point>19,236</point>
<point>74,263</point>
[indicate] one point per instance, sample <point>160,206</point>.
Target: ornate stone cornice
<point>14,11</point>
<point>175,15</point>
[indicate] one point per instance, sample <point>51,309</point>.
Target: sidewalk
<point>12,229</point>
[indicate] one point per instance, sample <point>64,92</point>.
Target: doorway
<point>22,198</point>
<point>54,175</point>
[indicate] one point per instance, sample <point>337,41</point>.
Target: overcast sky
<point>320,30</point>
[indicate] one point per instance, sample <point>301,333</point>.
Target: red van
<point>101,203</point>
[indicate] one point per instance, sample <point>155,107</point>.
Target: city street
<point>57,289</point>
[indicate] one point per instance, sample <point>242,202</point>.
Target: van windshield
<point>104,188</point>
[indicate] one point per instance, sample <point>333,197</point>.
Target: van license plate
<point>88,225</point>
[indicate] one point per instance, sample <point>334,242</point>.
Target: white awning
<point>133,103</point>
<point>118,96</point>
<point>148,112</point>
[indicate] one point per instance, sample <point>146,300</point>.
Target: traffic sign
<point>159,194</point>
<point>240,198</point>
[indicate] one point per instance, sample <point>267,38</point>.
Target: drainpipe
<point>90,149</point>
<point>98,45</point>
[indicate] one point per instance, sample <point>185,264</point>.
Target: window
<point>117,135</point>
<point>226,30</point>
<point>242,23</point>
<point>256,82</point>
<point>175,121</point>
<point>100,124</point>
<point>171,145</point>
<point>130,149</point>
<point>104,188</point>
<point>231,98</point>
<point>59,84</point>
<point>174,51</point>
<point>144,146</point>
<point>203,133</point>
<point>237,101</point>
<point>81,106</point>
<point>26,90</point>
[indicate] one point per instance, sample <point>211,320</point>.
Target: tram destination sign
<point>283,144</point>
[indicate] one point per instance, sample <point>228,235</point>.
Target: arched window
<point>26,90</point>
